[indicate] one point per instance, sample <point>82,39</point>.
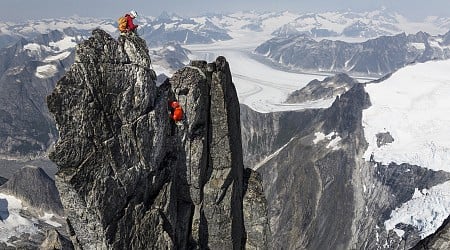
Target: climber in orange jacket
<point>176,112</point>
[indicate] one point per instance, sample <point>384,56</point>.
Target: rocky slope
<point>28,72</point>
<point>330,87</point>
<point>265,133</point>
<point>129,177</point>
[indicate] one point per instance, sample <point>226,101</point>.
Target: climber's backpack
<point>122,24</point>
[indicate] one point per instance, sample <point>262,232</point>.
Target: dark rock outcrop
<point>3,180</point>
<point>330,87</point>
<point>131,178</point>
<point>384,138</point>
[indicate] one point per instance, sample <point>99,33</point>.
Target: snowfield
<point>426,211</point>
<point>412,106</point>
<point>11,222</point>
<point>46,71</point>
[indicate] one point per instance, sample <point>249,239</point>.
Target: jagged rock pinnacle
<point>129,177</point>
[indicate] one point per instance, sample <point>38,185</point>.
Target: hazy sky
<point>16,10</point>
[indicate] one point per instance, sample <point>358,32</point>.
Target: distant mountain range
<point>359,25</point>
<point>173,28</point>
<point>378,56</point>
<point>217,27</point>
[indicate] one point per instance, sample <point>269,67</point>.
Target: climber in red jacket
<point>131,27</point>
<point>176,112</point>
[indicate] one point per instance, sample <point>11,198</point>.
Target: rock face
<point>264,133</point>
<point>129,177</point>
<point>30,208</point>
<point>2,180</point>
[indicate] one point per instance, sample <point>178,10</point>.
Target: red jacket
<point>130,25</point>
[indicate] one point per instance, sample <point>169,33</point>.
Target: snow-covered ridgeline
<point>47,25</point>
<point>413,106</point>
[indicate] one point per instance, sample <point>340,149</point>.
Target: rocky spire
<point>129,177</point>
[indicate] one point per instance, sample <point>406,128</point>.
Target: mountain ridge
<point>366,58</point>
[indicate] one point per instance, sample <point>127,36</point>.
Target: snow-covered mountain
<point>173,28</point>
<point>29,207</point>
<point>411,106</point>
<point>377,57</point>
<point>156,30</point>
<point>74,26</point>
<point>28,71</point>
<point>359,25</point>
<point>371,171</point>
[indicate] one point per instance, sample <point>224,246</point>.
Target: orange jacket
<point>177,111</point>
